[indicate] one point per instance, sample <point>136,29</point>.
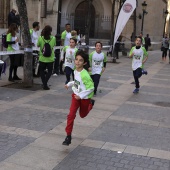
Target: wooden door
<point>81,18</point>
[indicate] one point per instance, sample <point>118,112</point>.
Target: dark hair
<point>46,32</point>
<point>67,24</point>
<point>139,38</point>
<point>85,58</point>
<point>99,43</point>
<point>78,31</point>
<point>35,24</point>
<point>74,39</point>
<point>12,29</point>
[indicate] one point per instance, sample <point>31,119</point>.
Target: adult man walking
<point>147,42</point>
<point>13,18</point>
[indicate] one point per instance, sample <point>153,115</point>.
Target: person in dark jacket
<point>147,42</point>
<point>13,18</point>
<point>57,56</point>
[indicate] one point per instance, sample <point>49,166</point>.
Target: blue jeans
<point>45,76</point>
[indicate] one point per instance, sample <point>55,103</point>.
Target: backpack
<point>46,50</point>
<point>4,44</point>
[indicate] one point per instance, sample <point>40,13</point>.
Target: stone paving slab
<point>10,144</point>
<point>9,166</point>
<point>119,148</point>
<point>148,98</point>
<point>54,142</point>
<point>159,81</point>
<point>109,84</point>
<point>133,134</point>
<point>37,157</point>
<point>113,147</point>
<point>156,90</point>
<point>159,154</point>
<point>9,94</point>
<point>50,100</point>
<point>20,131</point>
<point>88,158</point>
<point>144,112</point>
<point>31,119</point>
<point>79,131</point>
<point>118,77</point>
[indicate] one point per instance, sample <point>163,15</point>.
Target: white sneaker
<point>55,74</point>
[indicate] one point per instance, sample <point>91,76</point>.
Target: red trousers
<point>85,107</point>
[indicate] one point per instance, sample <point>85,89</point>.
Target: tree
<point>28,77</point>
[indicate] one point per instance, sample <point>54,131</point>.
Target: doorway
<point>81,18</point>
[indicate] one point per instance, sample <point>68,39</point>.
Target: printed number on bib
<point>77,86</point>
<point>97,63</point>
<point>69,60</point>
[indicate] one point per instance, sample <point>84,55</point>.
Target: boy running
<point>69,52</point>
<point>139,56</point>
<point>82,88</point>
<point>97,64</point>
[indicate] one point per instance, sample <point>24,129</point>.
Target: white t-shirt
<point>34,37</point>
<point>67,39</point>
<point>16,45</point>
<point>97,60</point>
<point>82,85</point>
<point>69,56</point>
<point>138,57</point>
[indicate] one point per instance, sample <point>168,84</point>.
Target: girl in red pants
<point>83,88</point>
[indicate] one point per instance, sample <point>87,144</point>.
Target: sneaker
<point>46,88</point>
<point>35,75</point>
<point>67,140</point>
<point>11,79</point>
<point>55,74</point>
<point>144,72</point>
<point>94,94</point>
<point>136,90</point>
<point>92,102</point>
<point>16,78</point>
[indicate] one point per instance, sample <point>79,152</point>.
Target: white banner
<point>126,11</point>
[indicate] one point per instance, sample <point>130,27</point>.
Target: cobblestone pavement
<point>123,131</point>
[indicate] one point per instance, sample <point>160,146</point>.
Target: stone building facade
<point>74,12</point>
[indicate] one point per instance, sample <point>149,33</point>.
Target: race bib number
<point>97,63</point>
<point>68,60</point>
<point>137,57</point>
<point>77,86</point>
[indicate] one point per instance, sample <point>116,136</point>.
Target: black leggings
<point>13,65</point>
<point>45,76</point>
<point>96,79</point>
<point>137,74</point>
<point>69,71</point>
<point>164,52</point>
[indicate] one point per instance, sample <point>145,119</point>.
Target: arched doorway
<point>81,17</point>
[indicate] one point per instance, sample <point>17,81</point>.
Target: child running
<point>82,88</point>
<point>97,64</point>
<point>69,52</point>
<point>139,56</point>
